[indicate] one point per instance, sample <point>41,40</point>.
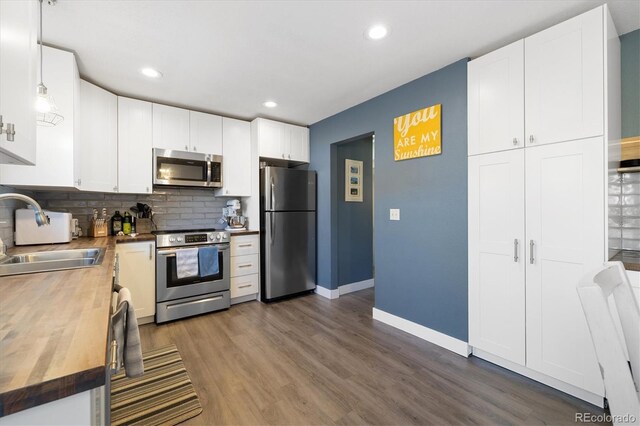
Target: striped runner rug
<point>163,395</point>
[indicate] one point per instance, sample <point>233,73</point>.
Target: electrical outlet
<point>394,214</point>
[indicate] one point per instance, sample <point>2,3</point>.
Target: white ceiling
<point>311,57</point>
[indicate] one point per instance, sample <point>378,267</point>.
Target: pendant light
<point>48,114</point>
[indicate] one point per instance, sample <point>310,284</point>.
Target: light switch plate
<point>394,214</point>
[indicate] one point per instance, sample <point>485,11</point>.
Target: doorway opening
<point>352,196</point>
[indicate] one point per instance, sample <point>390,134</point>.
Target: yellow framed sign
<point>417,134</point>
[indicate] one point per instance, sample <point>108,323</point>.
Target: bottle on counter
<point>116,223</point>
<point>126,223</point>
<point>133,224</point>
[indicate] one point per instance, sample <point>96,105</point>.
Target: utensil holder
<point>143,226</point>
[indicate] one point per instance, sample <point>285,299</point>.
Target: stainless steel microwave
<point>182,168</point>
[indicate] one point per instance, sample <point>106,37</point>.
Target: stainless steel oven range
<point>183,297</point>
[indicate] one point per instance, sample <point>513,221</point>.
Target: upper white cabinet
<point>205,133</point>
<point>237,165</point>
<point>564,84</point>
<point>497,254</point>
<point>57,148</point>
<point>565,240</point>
<point>135,134</point>
<point>282,141</point>
<point>98,139</point>
<point>18,80</point>
<point>170,128</point>
<point>496,100</point>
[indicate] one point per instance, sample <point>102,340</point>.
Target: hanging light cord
<point>41,79</point>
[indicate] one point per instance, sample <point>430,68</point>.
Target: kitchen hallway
<point>312,360</point>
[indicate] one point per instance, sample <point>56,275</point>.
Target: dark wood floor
<point>314,361</point>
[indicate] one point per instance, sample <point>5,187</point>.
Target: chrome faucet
<point>41,218</point>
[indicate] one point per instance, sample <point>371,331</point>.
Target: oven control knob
<point>171,239</point>
<point>179,239</point>
<point>224,236</point>
<point>218,237</point>
<point>212,237</point>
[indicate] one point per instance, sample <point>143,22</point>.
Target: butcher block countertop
<point>54,329</point>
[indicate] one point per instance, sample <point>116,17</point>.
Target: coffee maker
<point>233,215</point>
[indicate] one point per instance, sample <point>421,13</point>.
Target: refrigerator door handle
<point>271,229</point>
<point>273,194</point>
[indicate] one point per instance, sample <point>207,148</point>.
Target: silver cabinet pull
<point>150,251</point>
<point>113,361</point>
<point>515,141</point>
<point>246,265</point>
<point>186,147</point>
<point>515,250</point>
<point>531,139</point>
<point>531,258</point>
<point>244,286</point>
<point>244,245</point>
<point>10,131</point>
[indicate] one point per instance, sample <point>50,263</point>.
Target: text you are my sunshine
<point>424,143</point>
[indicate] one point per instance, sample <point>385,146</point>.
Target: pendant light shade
<point>48,114</point>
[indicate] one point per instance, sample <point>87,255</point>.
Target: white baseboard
<point>351,287</point>
<point>582,394</point>
<point>328,293</point>
<point>451,343</point>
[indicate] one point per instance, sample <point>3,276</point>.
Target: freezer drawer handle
<point>195,302</point>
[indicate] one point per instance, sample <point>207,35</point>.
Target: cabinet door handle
<point>194,148</point>
<point>245,245</point>
<point>515,141</point>
<point>531,139</point>
<point>150,251</point>
<point>113,362</point>
<point>515,250</point>
<point>246,265</point>
<point>531,258</point>
<point>244,286</point>
<point>186,147</point>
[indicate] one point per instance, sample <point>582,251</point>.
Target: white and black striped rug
<point>163,395</point>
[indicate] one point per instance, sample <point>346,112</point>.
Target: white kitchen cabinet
<point>170,128</point>
<point>205,133</point>
<point>282,141</point>
<point>138,274</point>
<point>57,147</point>
<point>496,254</point>
<point>236,159</point>
<point>98,139</point>
<point>245,267</point>
<point>564,84</point>
<point>135,159</point>
<point>18,79</point>
<point>565,239</point>
<point>496,100</point>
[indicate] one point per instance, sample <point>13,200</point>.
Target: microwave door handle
<point>209,178</point>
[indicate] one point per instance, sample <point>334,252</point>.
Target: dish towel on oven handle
<point>187,262</point>
<point>208,261</point>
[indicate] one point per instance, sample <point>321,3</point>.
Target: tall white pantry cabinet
<point>542,112</point>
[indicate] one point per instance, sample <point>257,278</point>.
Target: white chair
<point>621,378</point>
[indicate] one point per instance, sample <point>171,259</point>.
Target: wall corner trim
<point>437,338</point>
<point>357,286</point>
<point>328,293</point>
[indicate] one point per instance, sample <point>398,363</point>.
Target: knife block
<point>98,230</point>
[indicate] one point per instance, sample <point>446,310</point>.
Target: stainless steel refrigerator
<point>288,232</point>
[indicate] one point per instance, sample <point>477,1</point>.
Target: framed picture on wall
<point>353,181</point>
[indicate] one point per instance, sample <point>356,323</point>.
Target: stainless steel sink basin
<point>45,261</point>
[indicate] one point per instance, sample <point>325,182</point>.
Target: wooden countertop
<point>54,329</point>
<point>629,258</point>
<point>247,232</point>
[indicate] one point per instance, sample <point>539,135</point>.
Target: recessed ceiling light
<point>270,104</point>
<point>150,72</point>
<point>377,32</point>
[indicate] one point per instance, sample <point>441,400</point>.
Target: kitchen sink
<point>46,261</point>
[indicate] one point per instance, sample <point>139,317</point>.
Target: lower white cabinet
<point>565,225</point>
<point>137,272</point>
<point>245,267</point>
<point>236,158</point>
<point>496,254</point>
<point>536,226</point>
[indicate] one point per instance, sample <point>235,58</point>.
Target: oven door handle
<point>172,253</point>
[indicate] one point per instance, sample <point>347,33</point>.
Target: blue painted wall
<point>630,66</point>
<point>354,219</point>
<point>421,260</point>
